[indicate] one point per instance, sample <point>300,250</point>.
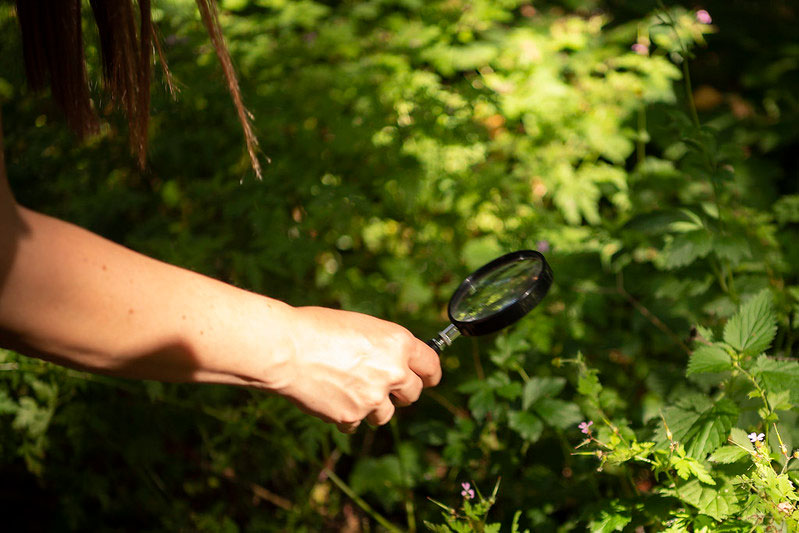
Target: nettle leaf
<point>740,439</point>
<point>482,402</point>
<point>777,375</point>
<point>733,248</point>
<point>718,501</point>
<point>754,326</point>
<point>588,384</point>
<point>613,517</point>
<point>729,454</point>
<point>558,413</point>
<point>701,426</point>
<point>378,475</point>
<point>541,387</point>
<point>787,209</point>
<point>687,467</point>
<point>709,358</point>
<point>7,404</point>
<point>526,424</point>
<point>780,400</point>
<point>686,248</point>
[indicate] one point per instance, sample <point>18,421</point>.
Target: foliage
<point>410,142</point>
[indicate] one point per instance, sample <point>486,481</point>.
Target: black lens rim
<point>513,312</point>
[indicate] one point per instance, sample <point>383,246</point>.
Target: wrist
<point>247,341</point>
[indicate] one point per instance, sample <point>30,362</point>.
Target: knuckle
<point>404,340</point>
<point>373,398</point>
<point>415,394</point>
<point>349,417</point>
<point>396,374</point>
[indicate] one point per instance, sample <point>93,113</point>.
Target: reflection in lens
<point>496,289</point>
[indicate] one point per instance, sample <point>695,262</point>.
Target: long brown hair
<point>52,45</point>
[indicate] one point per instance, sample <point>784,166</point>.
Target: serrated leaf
<point>740,438</point>
<point>716,501</point>
<point>688,467</point>
<point>659,222</point>
<point>706,333</point>
<point>754,326</point>
<point>612,518</point>
<point>709,358</point>
<point>728,454</point>
<point>7,404</point>
<point>777,375</point>
<point>686,248</point>
<point>526,424</point>
<point>588,384</point>
<point>541,387</point>
<point>700,425</point>
<point>482,402</point>
<point>558,413</point>
<point>787,209</point>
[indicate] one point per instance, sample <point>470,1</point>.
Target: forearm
<point>77,299</point>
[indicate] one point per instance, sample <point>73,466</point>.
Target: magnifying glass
<point>495,296</point>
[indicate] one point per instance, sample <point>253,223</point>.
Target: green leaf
<point>686,248</point>
<point>612,518</point>
<point>379,476</point>
<point>700,425</point>
<point>526,424</point>
<point>728,454</point>
<point>787,209</point>
<point>558,413</point>
<point>718,501</point>
<point>588,384</point>
<point>688,466</point>
<point>777,375</point>
<point>541,387</point>
<point>7,404</point>
<point>709,358</point>
<point>754,326</point>
<point>740,438</point>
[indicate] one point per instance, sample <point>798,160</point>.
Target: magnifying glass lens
<point>496,295</point>
<point>495,290</point>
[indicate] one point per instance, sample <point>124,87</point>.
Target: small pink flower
<point>703,17</point>
<point>640,48</point>
<point>542,246</point>
<point>755,437</point>
<point>585,427</point>
<point>468,491</point>
<point>785,507</point>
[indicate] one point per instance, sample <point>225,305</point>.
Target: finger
<point>424,361</point>
<point>408,391</point>
<point>382,414</point>
<point>349,427</point>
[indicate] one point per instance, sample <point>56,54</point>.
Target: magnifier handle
<point>444,338</point>
<point>436,344</point>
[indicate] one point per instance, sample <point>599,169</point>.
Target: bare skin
<point>79,300</point>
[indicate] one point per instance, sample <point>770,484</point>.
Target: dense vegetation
<point>656,389</point>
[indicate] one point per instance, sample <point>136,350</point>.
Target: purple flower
<point>703,17</point>
<point>468,491</point>
<point>640,48</point>
<point>755,437</point>
<point>585,427</point>
<point>542,246</point>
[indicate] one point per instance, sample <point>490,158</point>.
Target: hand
<point>346,367</point>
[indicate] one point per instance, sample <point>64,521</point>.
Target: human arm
<point>74,298</point>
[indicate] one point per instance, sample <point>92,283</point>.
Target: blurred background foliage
<point>411,141</point>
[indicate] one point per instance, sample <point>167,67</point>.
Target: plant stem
<point>478,366</point>
<point>360,501</point>
<point>689,94</point>
<point>640,144</point>
<point>407,495</point>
